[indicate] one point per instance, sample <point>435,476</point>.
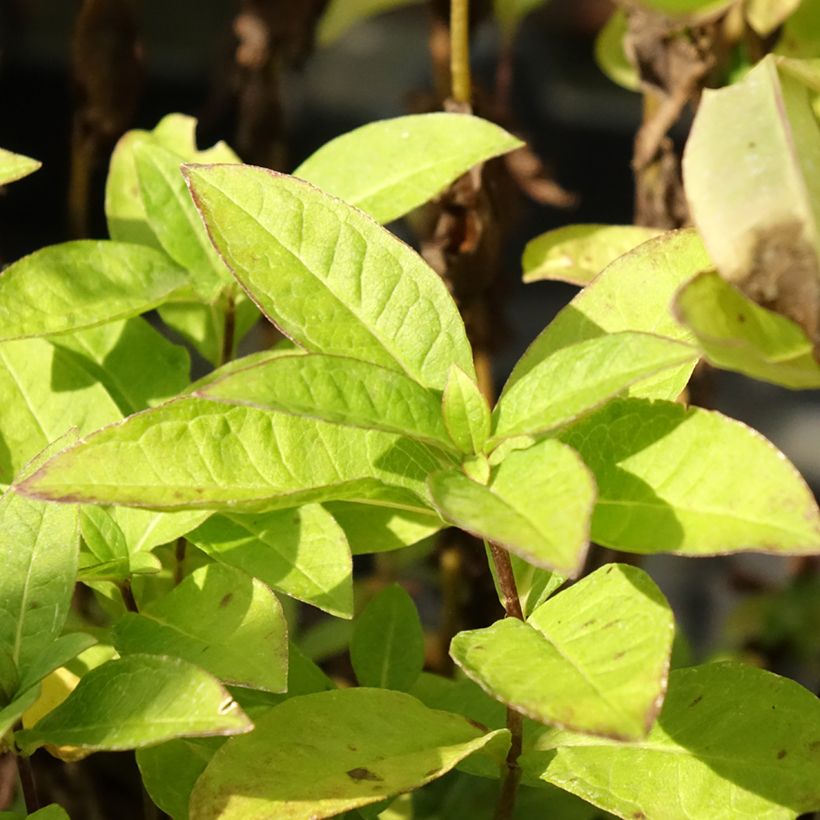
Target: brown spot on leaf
<point>781,754</point>
<point>618,655</point>
<point>431,773</point>
<point>226,599</point>
<point>814,746</point>
<point>588,623</point>
<point>696,701</point>
<point>639,815</point>
<point>360,773</point>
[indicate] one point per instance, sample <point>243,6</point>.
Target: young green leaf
<point>537,505</point>
<point>219,618</point>
<point>80,284</point>
<point>610,54</point>
<point>328,276</point>
<point>576,379</point>
<point>302,552</point>
<point>338,389</point>
<point>15,166</point>
<point>691,481</point>
<point>578,253</point>
<point>465,411</point>
<point>104,555</point>
<point>340,15</point>
<point>593,658</point>
<point>11,714</point>
<point>387,647</point>
<point>196,453</point>
<point>762,224</point>
<point>334,751</point>
<point>146,529</point>
<point>737,334</point>
<point>388,168</point>
<point>56,654</point>
<point>634,293</point>
<point>137,701</point>
<point>38,553</point>
<point>706,756</point>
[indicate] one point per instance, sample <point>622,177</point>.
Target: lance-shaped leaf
<point>196,453</point>
<point>335,751</point>
<point>537,505</point>
<point>706,756</point>
<point>219,618</point>
<point>302,552</point>
<point>137,701</point>
<point>580,377</point>
<point>80,284</point>
<point>340,15</point>
<point>174,220</point>
<point>610,54</point>
<point>387,647</point>
<point>761,224</point>
<point>593,658</point>
<point>332,279</point>
<point>691,481</point>
<point>634,293</point>
<point>578,253</point>
<point>339,389</point>
<point>38,552</point>
<point>15,166</point>
<point>388,168</point>
<point>737,334</point>
<point>465,411</point>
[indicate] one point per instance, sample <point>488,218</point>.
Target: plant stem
<point>460,80</point>
<point>128,596</point>
<point>28,784</point>
<point>179,559</point>
<point>515,723</point>
<point>230,330</point>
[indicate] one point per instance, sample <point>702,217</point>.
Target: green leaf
<point>173,218</point>
<point>764,16</point>
<point>369,528</point>
<point>9,715</point>
<point>697,9</point>
<point>610,54</point>
<point>576,379</point>
<point>537,505</point>
<point>302,552</point>
<point>338,389</point>
<point>387,647</point>
<point>593,658</point>
<point>510,13</point>
<point>80,284</point>
<point>137,701</point>
<point>800,36</point>
<point>58,653</point>
<point>707,753</point>
<point>195,453</point>
<point>390,167</point>
<point>340,15</point>
<point>691,481</point>
<point>146,529</point>
<point>16,166</point>
<point>328,276</point>
<point>219,618</point>
<point>465,411</point>
<point>762,224</point>
<point>334,751</point>
<point>578,253</point>
<point>105,556</point>
<point>201,325</point>
<point>38,552</point>
<point>634,293</point>
<point>736,334</point>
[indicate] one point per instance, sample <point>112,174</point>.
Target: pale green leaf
<point>39,544</point>
<point>737,334</point>
<point>16,166</point>
<point>338,389</point>
<point>764,16</point>
<point>58,653</point>
<point>634,293</point>
<point>537,505</point>
<point>465,411</point>
<point>340,15</point>
<point>576,379</point>
<point>104,555</point>
<point>201,325</point>
<point>330,277</point>
<point>379,529</point>
<point>732,742</point>
<point>510,13</point>
<point>302,552</point>
<point>146,529</point>
<point>80,284</point>
<point>137,701</point>
<point>334,751</point>
<point>387,646</point>
<point>691,481</point>
<point>578,253</point>
<point>762,223</point>
<point>218,618</point>
<point>387,168</point>
<point>9,715</point>
<point>611,55</point>
<point>196,453</point>
<point>593,658</point>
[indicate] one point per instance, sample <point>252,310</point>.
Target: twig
<point>460,79</point>
<point>28,784</point>
<point>128,595</point>
<point>230,330</point>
